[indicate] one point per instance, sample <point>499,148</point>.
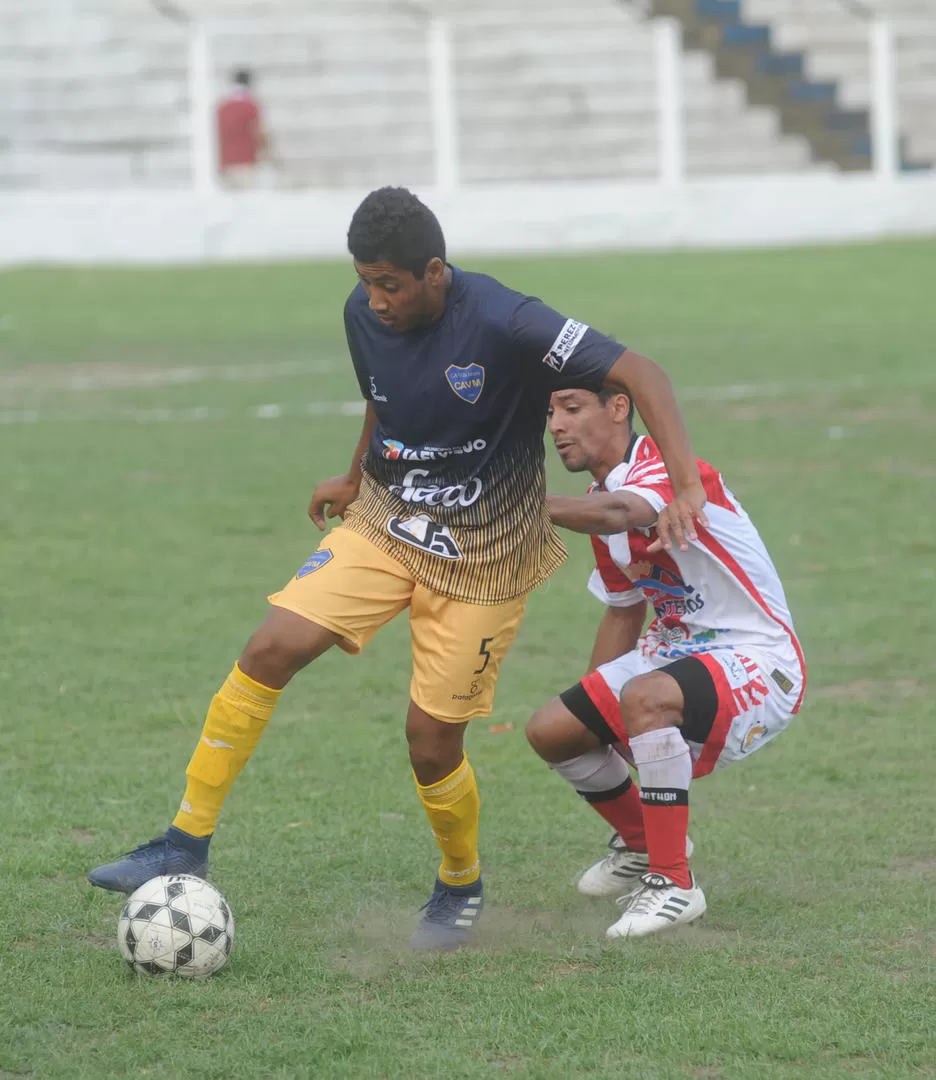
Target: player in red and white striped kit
<point>717,674</point>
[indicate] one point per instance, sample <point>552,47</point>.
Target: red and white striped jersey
<point>722,593</point>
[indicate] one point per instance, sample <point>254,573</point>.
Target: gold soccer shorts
<point>353,588</point>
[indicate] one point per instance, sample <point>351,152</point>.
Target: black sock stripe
<point>605,796</point>
<point>664,796</point>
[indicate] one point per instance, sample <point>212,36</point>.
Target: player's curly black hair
<point>392,225</point>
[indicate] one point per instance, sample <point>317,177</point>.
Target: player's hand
<point>677,521</point>
<point>332,498</point>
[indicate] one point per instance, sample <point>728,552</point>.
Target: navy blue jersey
<point>454,476</point>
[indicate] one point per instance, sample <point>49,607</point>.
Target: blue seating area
<point>745,47</point>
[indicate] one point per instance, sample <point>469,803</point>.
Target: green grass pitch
<point>160,434</point>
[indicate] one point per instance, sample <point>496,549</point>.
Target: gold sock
<point>453,807</point>
<point>236,718</point>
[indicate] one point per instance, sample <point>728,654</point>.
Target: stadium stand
<point>809,60</point>
<point>93,94</point>
<point>832,36</point>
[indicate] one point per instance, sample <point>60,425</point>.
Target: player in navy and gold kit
<point>443,513</point>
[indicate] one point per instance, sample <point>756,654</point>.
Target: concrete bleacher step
<point>103,83</point>
<point>835,41</point>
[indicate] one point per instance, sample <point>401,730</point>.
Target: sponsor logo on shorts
<point>313,563</point>
<point>473,692</point>
<point>782,680</point>
<point>410,491</point>
<point>564,345</point>
<point>427,535</point>
<point>396,451</point>
<point>735,670</point>
<point>748,689</point>
<point>467,382</point>
<point>753,732</point>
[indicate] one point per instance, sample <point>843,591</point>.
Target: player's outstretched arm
<point>618,633</point>
<point>600,513</point>
<point>333,496</point>
<point>649,386</point>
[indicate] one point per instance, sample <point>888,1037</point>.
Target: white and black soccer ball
<point>176,924</point>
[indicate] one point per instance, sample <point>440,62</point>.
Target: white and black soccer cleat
<point>657,905</point>
<point>619,871</point>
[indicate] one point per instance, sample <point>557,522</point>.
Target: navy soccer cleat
<point>153,859</point>
<point>450,916</point>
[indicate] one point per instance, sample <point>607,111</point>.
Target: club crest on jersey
<point>314,562</point>
<point>467,382</point>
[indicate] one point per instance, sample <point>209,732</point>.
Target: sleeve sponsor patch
<point>564,345</point>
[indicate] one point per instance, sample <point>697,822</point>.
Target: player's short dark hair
<point>242,76</point>
<point>392,225</point>
<point>604,396</point>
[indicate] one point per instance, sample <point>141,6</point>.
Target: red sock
<point>623,811</point>
<point>664,766</point>
<point>666,828</point>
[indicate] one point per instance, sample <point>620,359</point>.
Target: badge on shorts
<point>782,680</point>
<point>467,382</point>
<point>313,563</point>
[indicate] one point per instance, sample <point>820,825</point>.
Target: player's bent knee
<point>556,735</point>
<point>649,702</point>
<point>540,729</point>
<point>284,644</point>
<point>436,748</point>
<point>434,759</point>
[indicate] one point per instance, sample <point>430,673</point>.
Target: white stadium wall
<point>589,126</point>
<point>146,227</point>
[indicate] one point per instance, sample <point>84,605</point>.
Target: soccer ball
<point>176,923</point>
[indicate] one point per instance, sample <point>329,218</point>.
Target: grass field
<point>160,434</point>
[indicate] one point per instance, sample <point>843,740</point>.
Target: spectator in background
<point>242,137</point>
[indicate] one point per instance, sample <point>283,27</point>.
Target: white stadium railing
<point>683,180</point>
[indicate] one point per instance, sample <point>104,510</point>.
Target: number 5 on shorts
<point>486,653</point>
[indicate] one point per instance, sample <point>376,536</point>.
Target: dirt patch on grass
<point>826,411</point>
<point>752,411</point>
<point>508,1063</point>
<point>509,927</point>
<point>39,378</point>
<point>97,939</point>
<point>81,836</point>
<point>779,468</point>
<point>919,470</point>
<point>709,937</point>
<point>914,866</point>
<point>380,942</point>
<point>572,969</point>
<point>860,689</point>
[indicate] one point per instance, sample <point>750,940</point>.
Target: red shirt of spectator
<point>238,129</point>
